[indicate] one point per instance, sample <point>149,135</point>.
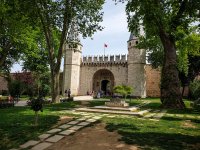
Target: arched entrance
<point>103,81</point>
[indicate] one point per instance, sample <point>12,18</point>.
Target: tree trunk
<point>55,86</point>
<point>183,91</point>
<point>170,85</point>
<point>36,118</point>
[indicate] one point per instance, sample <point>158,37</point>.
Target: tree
<point>162,20</point>
<point>36,105</point>
<point>14,29</point>
<point>55,19</point>
<point>123,90</point>
<point>19,83</point>
<point>188,53</point>
<point>35,60</point>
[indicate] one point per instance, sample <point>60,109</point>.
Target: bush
<point>195,89</point>
<point>123,90</point>
<point>36,105</point>
<point>196,104</point>
<point>15,88</point>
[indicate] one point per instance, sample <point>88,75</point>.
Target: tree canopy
<point>14,29</point>
<point>55,19</point>
<point>162,21</point>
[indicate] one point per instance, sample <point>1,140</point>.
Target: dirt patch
<point>188,124</point>
<point>62,120</point>
<point>93,138</point>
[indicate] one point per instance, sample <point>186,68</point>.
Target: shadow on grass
<point>154,140</point>
<point>17,126</point>
<point>184,111</point>
<point>180,119</point>
<point>172,119</point>
<point>62,106</point>
<point>149,140</point>
<point>112,127</point>
<point>96,103</point>
<point>152,105</point>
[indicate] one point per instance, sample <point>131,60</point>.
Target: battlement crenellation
<point>104,59</point>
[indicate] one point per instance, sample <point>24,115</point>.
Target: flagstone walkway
<point>54,135</point>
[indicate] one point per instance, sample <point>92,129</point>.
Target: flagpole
<point>104,50</point>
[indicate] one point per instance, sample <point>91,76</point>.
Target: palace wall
<point>153,77</point>
<point>90,65</point>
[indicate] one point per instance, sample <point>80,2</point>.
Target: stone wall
<point>119,71</point>
<point>153,77</point>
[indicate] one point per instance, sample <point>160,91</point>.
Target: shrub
<point>123,90</point>
<point>195,89</point>
<point>36,105</point>
<point>15,88</point>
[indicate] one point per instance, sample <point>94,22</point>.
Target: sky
<point>115,34</point>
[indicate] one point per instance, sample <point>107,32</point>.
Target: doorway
<point>105,86</point>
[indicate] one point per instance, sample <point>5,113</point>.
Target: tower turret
<point>136,67</point>
<point>72,61</point>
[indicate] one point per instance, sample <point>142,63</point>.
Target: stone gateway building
<point>101,73</point>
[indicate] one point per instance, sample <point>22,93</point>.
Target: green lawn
<point>17,123</point>
<point>167,134</point>
<point>170,132</point>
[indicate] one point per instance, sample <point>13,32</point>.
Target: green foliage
<point>14,31</point>
<point>36,104</point>
<point>45,90</point>
<point>195,89</point>
<point>15,88</point>
<point>55,19</point>
<point>35,58</point>
<point>188,45</point>
<point>123,90</point>
<point>163,20</point>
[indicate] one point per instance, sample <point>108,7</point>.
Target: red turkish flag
<point>105,45</point>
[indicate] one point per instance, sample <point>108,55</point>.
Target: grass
<point>17,123</point>
<point>152,135</point>
<point>170,132</point>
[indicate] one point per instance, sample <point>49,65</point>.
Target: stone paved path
<point>54,135</point>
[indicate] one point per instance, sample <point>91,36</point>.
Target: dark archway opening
<point>103,82</point>
<point>104,86</point>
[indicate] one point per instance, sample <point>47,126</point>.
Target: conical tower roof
<point>132,37</point>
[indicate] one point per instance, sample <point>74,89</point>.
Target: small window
<point>130,44</point>
<point>136,42</point>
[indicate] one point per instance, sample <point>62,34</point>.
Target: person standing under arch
<point>69,93</point>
